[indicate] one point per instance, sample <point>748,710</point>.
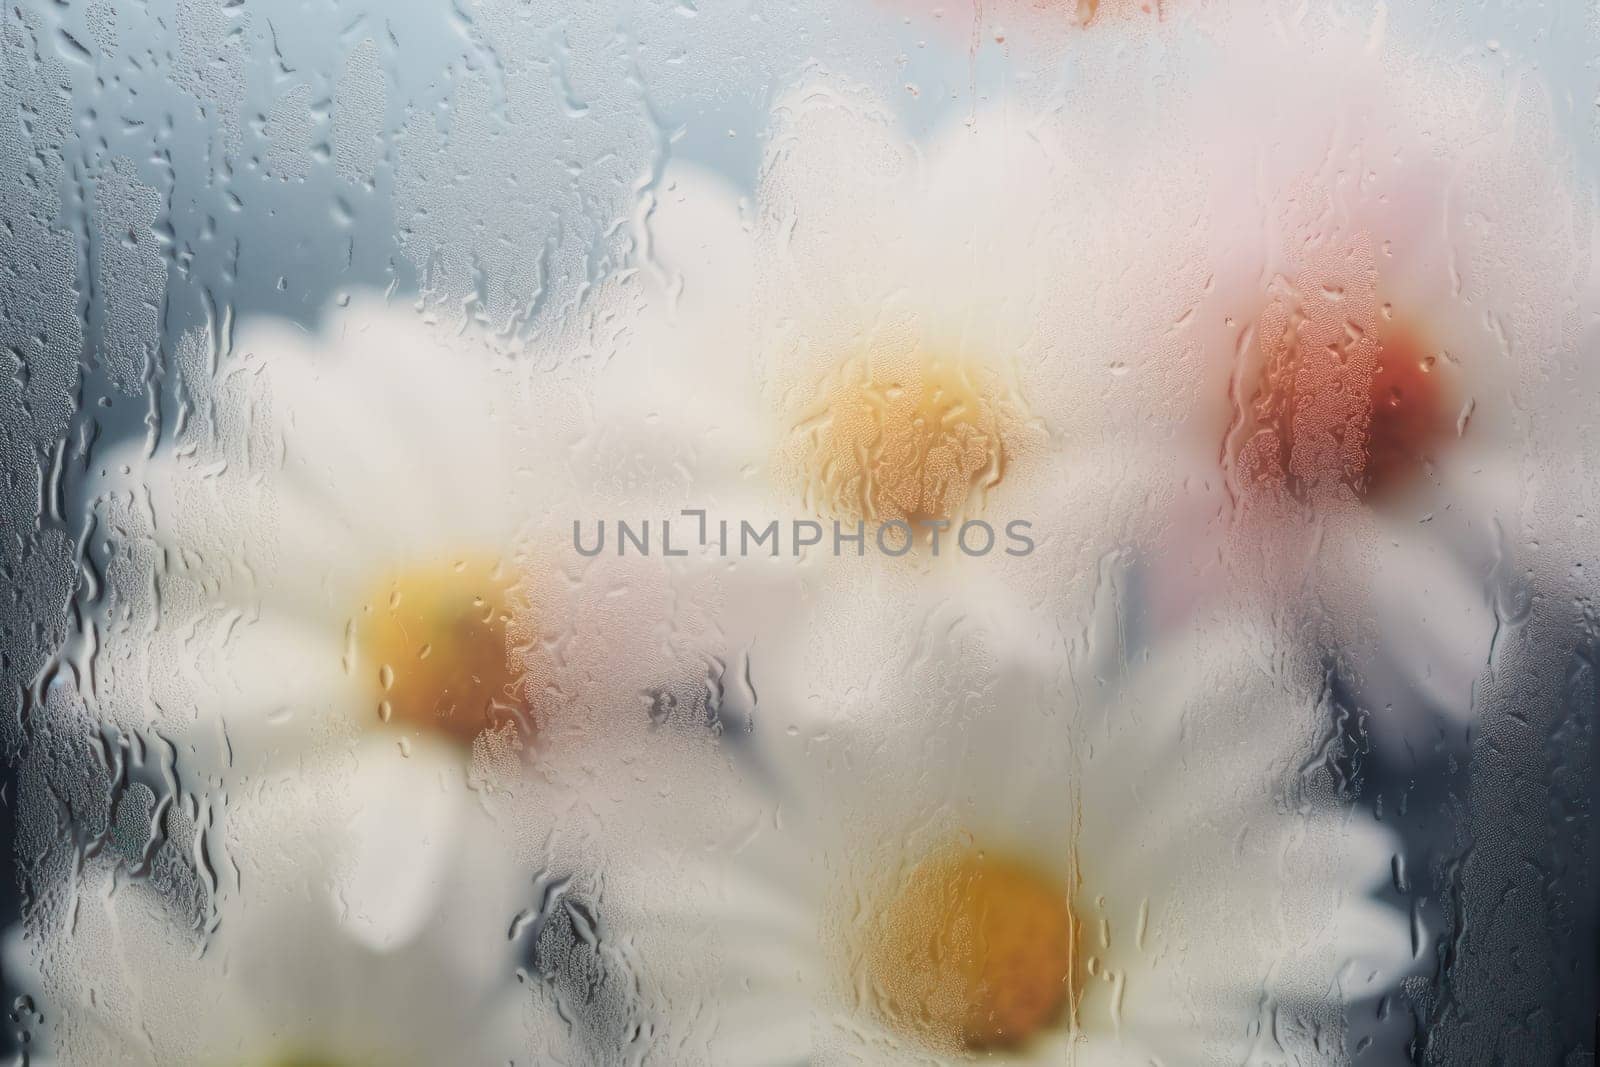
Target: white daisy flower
<point>995,864</point>
<point>341,914</point>
<point>916,357</point>
<point>373,535</point>
<point>360,544</point>
<point>1381,305</point>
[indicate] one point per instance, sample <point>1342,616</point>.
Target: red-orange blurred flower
<point>1349,397</point>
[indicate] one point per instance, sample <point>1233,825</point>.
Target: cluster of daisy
<point>394,775</point>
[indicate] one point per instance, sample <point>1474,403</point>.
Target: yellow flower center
<point>906,436</point>
<point>434,642</point>
<point>974,949</point>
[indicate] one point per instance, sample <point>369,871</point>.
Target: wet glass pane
<point>859,532</point>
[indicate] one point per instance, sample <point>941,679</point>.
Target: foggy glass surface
<point>1093,506</point>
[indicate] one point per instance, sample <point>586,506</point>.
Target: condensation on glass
<point>864,532</point>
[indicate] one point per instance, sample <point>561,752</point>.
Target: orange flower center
<point>974,949</point>
<point>906,436</point>
<point>434,640</point>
